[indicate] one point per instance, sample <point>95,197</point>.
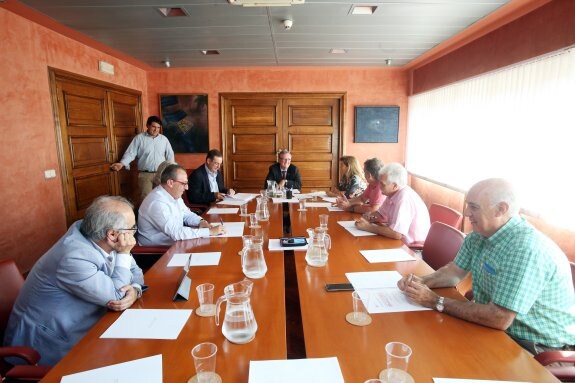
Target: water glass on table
<point>206,299</point>
<point>204,355</point>
<point>397,355</point>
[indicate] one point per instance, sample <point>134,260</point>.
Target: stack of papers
<point>145,370</point>
<point>223,210</point>
<point>318,370</point>
<point>197,259</point>
<point>237,199</point>
<point>379,289</point>
<point>350,226</point>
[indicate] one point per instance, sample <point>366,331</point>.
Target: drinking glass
<point>204,355</point>
<point>323,218</point>
<point>206,298</point>
<point>244,210</point>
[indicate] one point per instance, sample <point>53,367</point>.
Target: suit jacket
<point>65,294</point>
<point>199,186</point>
<point>292,176</point>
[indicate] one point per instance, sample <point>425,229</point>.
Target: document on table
<point>329,199</point>
<point>317,204</point>
<point>148,324</point>
<point>145,370</point>
<point>233,229</point>
<point>350,226</point>
<point>198,259</point>
<point>379,288</point>
<point>232,202</point>
<point>242,196</point>
<point>387,255</point>
<point>334,208</point>
<point>450,380</point>
<point>280,200</point>
<point>313,370</point>
<point>275,245</point>
<point>223,210</point>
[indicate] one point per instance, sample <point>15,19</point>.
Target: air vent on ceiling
<point>266,3</point>
<point>172,12</point>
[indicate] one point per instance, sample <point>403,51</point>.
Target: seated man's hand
<point>376,218</point>
<point>343,203</point>
<point>203,224</point>
<point>219,196</point>
<point>125,241</point>
<point>231,191</point>
<point>282,184</point>
<point>362,224</point>
<point>116,166</point>
<point>217,229</point>
<point>126,302</point>
<point>417,291</point>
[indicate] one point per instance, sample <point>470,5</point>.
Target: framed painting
<point>185,121</point>
<point>376,124</point>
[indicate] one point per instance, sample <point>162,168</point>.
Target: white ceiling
<point>399,30</point>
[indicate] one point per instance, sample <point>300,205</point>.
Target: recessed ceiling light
<point>210,52</point>
<point>337,51</point>
<point>172,12</point>
<point>363,9</point>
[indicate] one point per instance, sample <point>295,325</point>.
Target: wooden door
<point>93,124</point>
<point>255,126</point>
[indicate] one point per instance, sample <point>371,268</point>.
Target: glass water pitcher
<point>262,212</point>
<point>240,324</point>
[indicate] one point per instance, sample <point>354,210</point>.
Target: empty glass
<point>323,218</point>
<point>204,355</point>
<point>244,210</point>
<point>397,355</point>
<point>206,299</point>
<point>302,205</point>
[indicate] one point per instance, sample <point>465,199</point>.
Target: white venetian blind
<point>517,123</point>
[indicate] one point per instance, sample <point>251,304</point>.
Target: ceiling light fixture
<point>337,51</point>
<point>172,12</point>
<point>266,3</point>
<point>167,63</point>
<point>207,52</point>
<point>363,9</point>
<point>388,62</point>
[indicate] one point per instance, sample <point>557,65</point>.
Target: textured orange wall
<point>364,86</point>
<point>32,207</point>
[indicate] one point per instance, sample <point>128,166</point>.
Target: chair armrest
<point>548,357</point>
<point>28,354</point>
<point>563,373</point>
<point>416,245</point>
<point>27,373</point>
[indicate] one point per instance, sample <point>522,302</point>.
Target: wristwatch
<point>439,306</point>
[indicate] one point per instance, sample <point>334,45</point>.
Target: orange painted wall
<point>32,207</point>
<point>544,30</point>
<point>364,86</point>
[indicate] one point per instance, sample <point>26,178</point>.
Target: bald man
<point>521,279</point>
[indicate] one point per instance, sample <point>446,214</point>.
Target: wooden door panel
<point>89,187</point>
<point>254,115</point>
<point>253,143</point>
<point>306,115</point>
<point>83,110</point>
<point>86,151</point>
<point>310,143</point>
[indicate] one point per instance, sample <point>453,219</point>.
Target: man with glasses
<point>206,182</point>
<point>151,148</point>
<point>163,216</point>
<point>87,272</point>
<point>284,173</point>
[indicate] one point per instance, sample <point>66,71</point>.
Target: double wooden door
<point>95,123</point>
<point>256,126</point>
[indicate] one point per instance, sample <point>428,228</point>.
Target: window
<point>517,123</point>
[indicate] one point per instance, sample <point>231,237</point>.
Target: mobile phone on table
<point>293,241</point>
<point>338,287</point>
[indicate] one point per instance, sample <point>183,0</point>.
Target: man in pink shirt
<point>371,199</point>
<point>403,214</point>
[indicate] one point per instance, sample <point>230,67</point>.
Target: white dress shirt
<point>212,178</point>
<point>151,152</point>
<point>163,220</point>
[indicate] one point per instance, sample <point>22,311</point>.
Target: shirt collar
<point>210,173</point>
<point>509,225</point>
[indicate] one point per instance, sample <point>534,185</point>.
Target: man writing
<point>521,279</point>
<point>403,215</point>
<point>206,182</point>
<point>151,148</point>
<point>164,218</point>
<point>88,271</point>
<point>284,173</point>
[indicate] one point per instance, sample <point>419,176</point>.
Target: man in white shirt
<point>164,218</point>
<point>151,148</point>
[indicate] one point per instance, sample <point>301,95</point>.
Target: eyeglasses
<point>135,228</point>
<point>184,184</point>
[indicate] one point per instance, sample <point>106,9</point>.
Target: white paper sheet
<point>231,202</point>
<point>242,196</point>
<point>198,259</point>
<point>334,208</point>
<point>280,200</point>
<point>233,229</point>
<point>223,210</point>
<point>387,255</point>
<point>148,324</point>
<point>449,380</point>
<point>274,245</point>
<point>350,226</point>
<point>329,199</point>
<point>145,370</point>
<point>379,288</point>
<point>317,204</point>
<point>313,370</point>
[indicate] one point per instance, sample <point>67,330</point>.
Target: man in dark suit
<point>284,173</point>
<point>206,183</point>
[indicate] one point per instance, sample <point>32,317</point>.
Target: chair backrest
<point>12,282</point>
<point>441,245</point>
<point>573,272</point>
<point>447,215</point>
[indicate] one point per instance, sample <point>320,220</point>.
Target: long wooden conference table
<point>442,346</point>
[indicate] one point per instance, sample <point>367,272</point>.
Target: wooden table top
<point>443,346</point>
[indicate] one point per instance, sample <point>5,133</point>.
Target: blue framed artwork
<point>185,121</point>
<point>376,124</point>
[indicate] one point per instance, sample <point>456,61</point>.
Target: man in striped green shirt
<point>521,279</point>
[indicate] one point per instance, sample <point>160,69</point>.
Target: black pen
<point>222,221</point>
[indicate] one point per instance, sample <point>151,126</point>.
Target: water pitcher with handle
<point>240,324</point>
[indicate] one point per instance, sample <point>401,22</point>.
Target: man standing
<point>151,148</point>
<point>164,218</point>
<point>521,279</point>
<point>284,173</point>
<point>403,215</point>
<point>206,182</point>
<point>68,290</point>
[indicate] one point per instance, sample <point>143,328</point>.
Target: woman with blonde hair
<point>352,183</point>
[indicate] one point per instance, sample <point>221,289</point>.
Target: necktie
<point>284,172</point>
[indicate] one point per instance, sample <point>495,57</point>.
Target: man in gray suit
<point>88,271</point>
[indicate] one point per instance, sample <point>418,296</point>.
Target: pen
<point>222,221</point>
